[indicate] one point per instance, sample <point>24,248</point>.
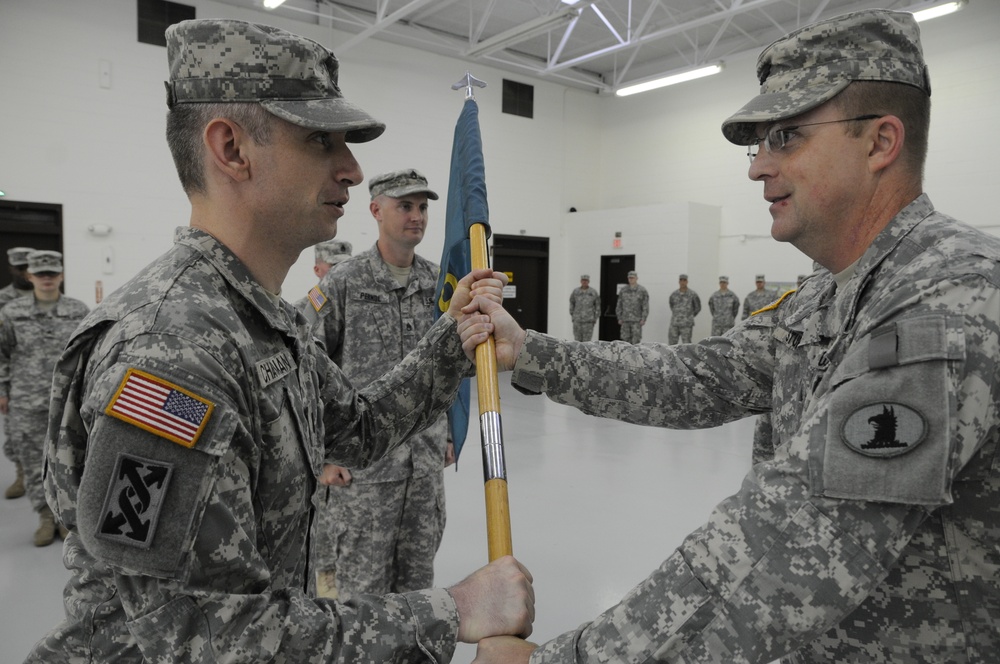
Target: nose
<point>347,170</point>
<point>760,165</point>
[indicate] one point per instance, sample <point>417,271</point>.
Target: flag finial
<point>468,82</point>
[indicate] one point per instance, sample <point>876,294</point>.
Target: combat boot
<point>16,490</point>
<point>46,527</point>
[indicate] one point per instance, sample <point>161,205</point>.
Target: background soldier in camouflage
<point>632,309</point>
<point>873,535</point>
<point>19,286</point>
<point>724,305</point>
<point>378,529</point>
<point>584,309</point>
<point>191,411</point>
<point>327,254</point>
<point>684,306</point>
<point>758,298</point>
<point>33,330</point>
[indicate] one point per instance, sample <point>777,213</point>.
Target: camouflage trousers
<point>679,332</point>
<point>26,433</point>
<point>631,331</point>
<point>379,538</point>
<point>8,445</point>
<point>583,330</point>
<point>718,329</point>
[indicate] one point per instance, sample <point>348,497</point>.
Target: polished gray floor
<point>595,506</point>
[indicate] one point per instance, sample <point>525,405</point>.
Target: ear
<point>376,210</point>
<point>227,155</point>
<point>888,142</point>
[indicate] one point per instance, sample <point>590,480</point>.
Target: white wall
<point>101,152</point>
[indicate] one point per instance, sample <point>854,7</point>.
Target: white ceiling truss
<point>601,45</point>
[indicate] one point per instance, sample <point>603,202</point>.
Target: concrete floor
<point>595,506</point>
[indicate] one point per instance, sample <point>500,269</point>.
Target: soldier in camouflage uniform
<point>584,309</point>
<point>632,309</point>
<point>724,306</point>
<point>191,411</point>
<point>33,330</point>
<point>19,286</point>
<point>378,529</point>
<point>758,298</point>
<point>326,254</point>
<point>684,306</point>
<point>873,535</point>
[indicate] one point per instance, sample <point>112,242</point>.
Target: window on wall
<point>155,16</point>
<point>518,99</point>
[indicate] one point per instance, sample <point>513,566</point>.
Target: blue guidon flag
<point>466,206</point>
<point>160,407</point>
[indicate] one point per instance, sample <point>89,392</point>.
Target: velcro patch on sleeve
<point>316,298</point>
<point>133,502</point>
<point>160,407</point>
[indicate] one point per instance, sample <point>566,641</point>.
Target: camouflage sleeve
<point>362,426</point>
<point>810,535</point>
<point>697,304</point>
<point>645,304</point>
<point>330,323</point>
<point>717,380</point>
<point>572,303</point>
<point>7,342</point>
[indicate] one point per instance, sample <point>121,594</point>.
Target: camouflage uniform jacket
<point>633,304</point>
<point>368,324</point>
<point>724,307</point>
<point>584,305</point>
<point>850,545</point>
<point>31,339</point>
<point>684,306</point>
<point>184,550</point>
<point>756,299</point>
<point>8,294</point>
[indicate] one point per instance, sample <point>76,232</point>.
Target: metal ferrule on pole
<point>491,431</point>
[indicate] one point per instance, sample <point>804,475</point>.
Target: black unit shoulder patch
<point>135,497</point>
<point>884,430</point>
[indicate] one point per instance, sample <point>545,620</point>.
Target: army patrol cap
<point>633,274</point>
<point>44,261</point>
<point>584,277</point>
<point>812,65</point>
<point>759,277</point>
<point>294,78</point>
<point>724,278</point>
<point>18,256</point>
<point>682,276</point>
<point>333,251</point>
<point>400,183</point>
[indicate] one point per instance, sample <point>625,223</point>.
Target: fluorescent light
<point>526,30</point>
<point>271,4</point>
<point>940,10</point>
<point>670,80</point>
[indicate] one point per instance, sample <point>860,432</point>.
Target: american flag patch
<point>160,407</point>
<point>316,298</point>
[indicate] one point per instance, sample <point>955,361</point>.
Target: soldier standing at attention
<point>191,411</point>
<point>19,286</point>
<point>632,309</point>
<point>378,529</point>
<point>326,255</point>
<point>33,331</point>
<point>873,534</point>
<point>584,309</point>
<point>758,298</point>
<point>724,306</point>
<point>684,306</point>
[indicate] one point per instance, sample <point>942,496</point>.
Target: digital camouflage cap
<point>333,251</point>
<point>400,183</point>
<point>44,261</point>
<point>294,78</point>
<point>812,65</point>
<point>18,256</point>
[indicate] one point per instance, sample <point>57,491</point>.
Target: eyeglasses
<point>777,137</point>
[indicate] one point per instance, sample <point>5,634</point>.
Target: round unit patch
<point>884,430</point>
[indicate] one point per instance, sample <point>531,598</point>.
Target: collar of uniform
<point>237,276</point>
<point>420,275</point>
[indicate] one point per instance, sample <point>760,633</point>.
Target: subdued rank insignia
<point>134,500</point>
<point>160,407</point>
<point>316,298</point>
<point>884,430</point>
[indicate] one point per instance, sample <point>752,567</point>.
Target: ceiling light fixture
<point>940,10</point>
<point>271,4</point>
<point>526,30</point>
<point>670,79</point>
